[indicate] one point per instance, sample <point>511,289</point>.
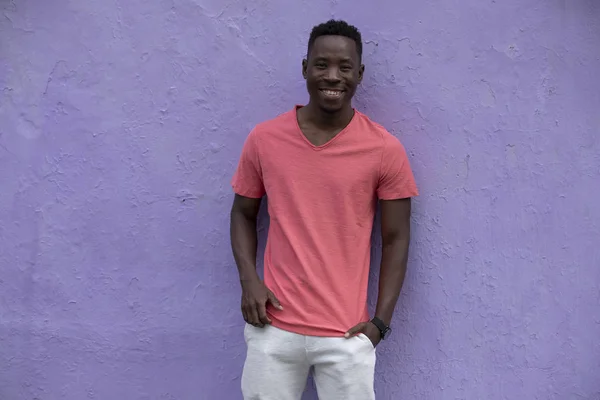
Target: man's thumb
<point>354,330</point>
<point>274,301</point>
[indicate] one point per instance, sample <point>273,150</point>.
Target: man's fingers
<point>254,319</point>
<point>354,330</point>
<point>274,301</point>
<point>255,311</point>
<point>262,313</point>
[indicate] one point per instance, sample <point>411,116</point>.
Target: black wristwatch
<point>383,328</point>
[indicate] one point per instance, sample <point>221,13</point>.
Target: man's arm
<point>395,234</point>
<point>244,241</point>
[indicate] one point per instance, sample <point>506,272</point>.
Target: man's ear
<point>361,72</point>
<point>304,67</point>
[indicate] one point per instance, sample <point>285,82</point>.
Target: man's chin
<point>331,108</point>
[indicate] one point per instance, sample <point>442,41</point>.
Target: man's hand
<point>255,296</point>
<point>369,329</point>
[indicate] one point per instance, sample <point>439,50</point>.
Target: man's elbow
<point>396,237</point>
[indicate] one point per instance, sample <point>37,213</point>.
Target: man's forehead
<point>334,44</point>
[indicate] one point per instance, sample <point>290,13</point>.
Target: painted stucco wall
<point>121,123</point>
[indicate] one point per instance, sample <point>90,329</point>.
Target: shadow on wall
<point>585,7</point>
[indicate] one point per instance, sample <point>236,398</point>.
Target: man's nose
<point>333,74</point>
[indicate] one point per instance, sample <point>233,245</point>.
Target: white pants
<point>278,363</point>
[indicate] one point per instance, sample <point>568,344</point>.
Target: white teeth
<point>332,93</point>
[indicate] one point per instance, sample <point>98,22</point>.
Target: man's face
<point>332,72</point>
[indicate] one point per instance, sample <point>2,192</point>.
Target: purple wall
<point>121,123</point>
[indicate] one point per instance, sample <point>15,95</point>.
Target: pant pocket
<point>246,332</point>
<point>366,339</point>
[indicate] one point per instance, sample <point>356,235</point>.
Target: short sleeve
<point>248,180</point>
<point>396,180</point>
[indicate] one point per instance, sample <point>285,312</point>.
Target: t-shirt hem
<point>307,330</point>
<point>247,193</point>
<point>401,195</point>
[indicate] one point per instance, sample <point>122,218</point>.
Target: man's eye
<point>346,68</point>
<point>321,65</point>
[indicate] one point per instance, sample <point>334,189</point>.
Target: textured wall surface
<point>121,123</point>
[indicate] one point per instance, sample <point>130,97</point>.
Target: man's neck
<point>328,121</point>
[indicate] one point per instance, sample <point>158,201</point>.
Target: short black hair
<point>337,28</point>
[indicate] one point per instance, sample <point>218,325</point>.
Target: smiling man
<point>323,167</point>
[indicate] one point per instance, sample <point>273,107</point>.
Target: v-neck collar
<point>330,141</point>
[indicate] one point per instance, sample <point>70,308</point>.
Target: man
<point>323,166</point>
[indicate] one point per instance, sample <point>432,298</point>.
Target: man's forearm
<point>391,276</point>
<point>244,241</point>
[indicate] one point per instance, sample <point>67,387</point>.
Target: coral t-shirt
<point>321,203</point>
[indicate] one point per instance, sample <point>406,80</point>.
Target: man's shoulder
<point>275,124</point>
<point>378,131</point>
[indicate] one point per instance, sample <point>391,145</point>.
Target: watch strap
<point>383,328</point>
